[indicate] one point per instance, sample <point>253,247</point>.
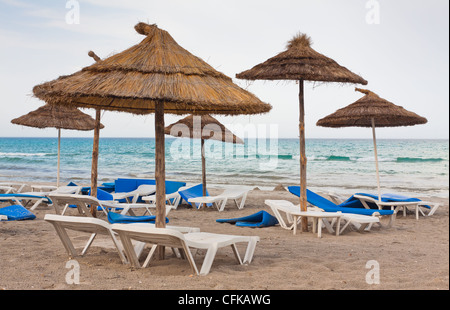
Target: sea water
<point>343,166</point>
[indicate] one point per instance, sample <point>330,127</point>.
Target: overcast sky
<point>400,47</point>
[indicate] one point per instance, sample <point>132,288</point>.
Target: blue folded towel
<point>259,219</point>
<point>17,213</point>
<point>115,218</point>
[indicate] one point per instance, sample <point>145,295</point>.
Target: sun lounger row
<point>181,239</point>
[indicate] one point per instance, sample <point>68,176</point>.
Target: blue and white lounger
<point>353,206</point>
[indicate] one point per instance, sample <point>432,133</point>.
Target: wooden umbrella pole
<point>303,206</point>
<point>95,159</point>
<point>59,154</point>
<point>376,158</point>
<point>160,170</point>
<point>203,168</point>
<point>160,173</point>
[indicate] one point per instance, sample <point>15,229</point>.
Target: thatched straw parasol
<point>204,127</point>
<point>301,63</point>
<point>59,117</point>
<point>372,111</point>
<point>155,76</point>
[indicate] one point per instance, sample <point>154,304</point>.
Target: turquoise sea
<point>344,166</point>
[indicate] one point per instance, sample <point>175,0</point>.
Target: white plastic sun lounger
<point>396,205</point>
<point>172,200</point>
<point>24,199</point>
<point>18,187</point>
<point>185,242</point>
<point>95,226</point>
<point>90,225</point>
<point>59,190</point>
<point>283,209</point>
<point>360,222</point>
<point>220,201</point>
<point>7,189</point>
<point>84,202</point>
<point>142,190</point>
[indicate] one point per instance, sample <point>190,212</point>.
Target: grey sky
<point>405,57</point>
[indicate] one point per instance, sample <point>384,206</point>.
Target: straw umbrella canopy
<point>204,127</point>
<point>301,63</point>
<point>372,111</point>
<point>155,76</point>
<point>59,117</point>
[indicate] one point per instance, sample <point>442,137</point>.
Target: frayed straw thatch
<point>371,106</point>
<point>300,62</point>
<point>57,116</point>
<point>202,127</point>
<point>155,71</point>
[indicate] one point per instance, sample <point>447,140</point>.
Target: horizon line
<point>286,138</point>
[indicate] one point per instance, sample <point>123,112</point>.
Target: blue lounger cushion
<point>259,219</point>
<point>8,197</point>
<point>115,218</point>
<point>194,192</point>
<point>123,185</point>
<point>353,206</point>
<point>17,213</point>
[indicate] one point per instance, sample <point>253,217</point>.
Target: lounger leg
<point>364,227</point>
<point>37,203</point>
<point>327,225</point>
<point>236,254</point>
<point>319,228</point>
<point>65,209</point>
<point>62,233</point>
<point>88,244</point>
<point>344,227</point>
<point>250,250</point>
<point>314,228</point>
<point>433,209</point>
<point>208,260</point>
<point>149,256</point>
<point>190,259</point>
<point>223,204</point>
<point>119,249</point>
<point>139,248</point>
<point>296,218</point>
<point>129,250</point>
<point>391,220</point>
<point>338,226</point>
<point>241,206</point>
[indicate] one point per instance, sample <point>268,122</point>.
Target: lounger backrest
<point>127,185</point>
<point>68,189</point>
<point>159,236</point>
<point>314,199</point>
<point>81,201</point>
<point>193,192</point>
<point>79,223</point>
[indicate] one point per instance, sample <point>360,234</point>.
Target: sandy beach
<point>412,255</point>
